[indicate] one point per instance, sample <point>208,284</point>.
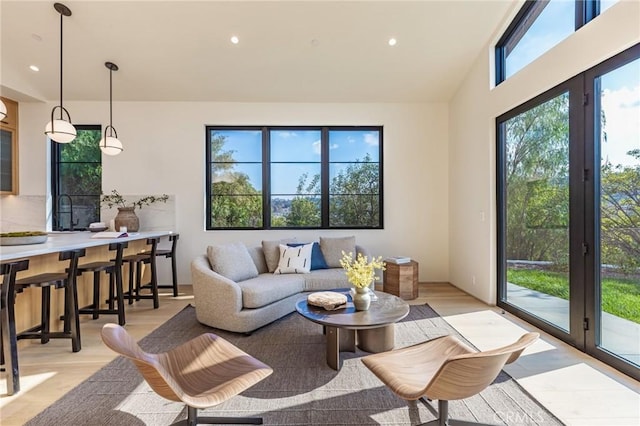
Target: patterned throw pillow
<point>317,259</point>
<point>294,260</point>
<point>271,250</point>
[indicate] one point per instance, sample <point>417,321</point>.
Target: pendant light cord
<point>111,97</point>
<point>61,108</point>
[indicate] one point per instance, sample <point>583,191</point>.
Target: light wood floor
<point>576,388</point>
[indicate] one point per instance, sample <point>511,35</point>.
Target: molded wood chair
<point>444,369</point>
<point>202,372</point>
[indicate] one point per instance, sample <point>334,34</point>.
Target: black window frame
<point>56,210</point>
<point>585,11</point>
<point>266,175</point>
<point>584,217</point>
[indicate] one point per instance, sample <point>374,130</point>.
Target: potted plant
<point>361,273</point>
<point>126,209</point>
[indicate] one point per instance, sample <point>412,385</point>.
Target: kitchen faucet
<point>70,212</point>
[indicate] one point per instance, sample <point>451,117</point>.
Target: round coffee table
<point>372,330</point>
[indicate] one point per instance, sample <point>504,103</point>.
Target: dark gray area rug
<point>302,390</point>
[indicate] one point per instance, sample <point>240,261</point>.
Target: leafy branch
<point>117,200</point>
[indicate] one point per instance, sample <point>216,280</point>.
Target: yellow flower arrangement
<point>360,272</point>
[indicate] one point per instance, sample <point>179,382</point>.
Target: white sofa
<point>244,305</point>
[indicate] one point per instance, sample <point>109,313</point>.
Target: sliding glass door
<point>569,211</point>
<point>536,177</point>
<point>616,117</point>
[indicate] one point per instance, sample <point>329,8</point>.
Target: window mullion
<point>266,178</point>
<point>324,177</point>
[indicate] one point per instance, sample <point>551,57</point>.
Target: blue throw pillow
<point>317,259</point>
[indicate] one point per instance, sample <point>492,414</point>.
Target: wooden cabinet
<point>9,149</point>
<point>401,279</point>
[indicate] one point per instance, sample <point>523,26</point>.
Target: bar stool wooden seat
<point>67,281</point>
<point>9,344</point>
<point>170,254</point>
<point>113,268</point>
<point>135,262</point>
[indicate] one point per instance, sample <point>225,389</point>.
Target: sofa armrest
<point>214,295</point>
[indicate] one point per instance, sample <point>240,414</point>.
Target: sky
<point>298,151</point>
<point>620,102</point>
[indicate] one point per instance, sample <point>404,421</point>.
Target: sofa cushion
<point>257,255</point>
<point>271,251</point>
<point>325,279</point>
<point>269,288</point>
<point>294,260</point>
<point>232,261</point>
<point>332,249</point>
<point>317,259</point>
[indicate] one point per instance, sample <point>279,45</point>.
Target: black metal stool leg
<point>174,276</point>
<point>131,283</point>
<point>96,294</point>
<point>45,314</point>
<point>71,315</point>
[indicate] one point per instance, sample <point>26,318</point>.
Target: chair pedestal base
<point>443,413</point>
<point>193,420</point>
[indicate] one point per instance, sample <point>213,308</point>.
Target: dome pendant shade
<point>58,129</point>
<point>110,144</point>
<point>3,110</point>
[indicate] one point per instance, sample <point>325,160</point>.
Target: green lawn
<point>620,297</point>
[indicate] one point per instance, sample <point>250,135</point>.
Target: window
<point>538,27</point>
<point>294,177</point>
<point>76,181</point>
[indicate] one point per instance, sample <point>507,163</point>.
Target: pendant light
<point>3,110</point>
<point>109,144</point>
<point>59,129</point>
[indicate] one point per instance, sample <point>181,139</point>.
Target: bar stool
<point>114,269</point>
<point>170,254</point>
<point>135,262</point>
<point>66,280</point>
<point>8,323</point>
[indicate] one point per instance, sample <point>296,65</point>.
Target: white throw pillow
<point>294,260</point>
<point>271,251</point>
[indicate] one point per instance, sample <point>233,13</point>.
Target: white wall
<point>472,111</point>
<point>164,153</point>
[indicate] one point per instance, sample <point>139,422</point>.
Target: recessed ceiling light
<point>34,68</point>
<point>235,40</point>
<point>392,41</point>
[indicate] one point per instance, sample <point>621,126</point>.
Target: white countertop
<point>61,241</point>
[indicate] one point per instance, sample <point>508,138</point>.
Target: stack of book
<point>398,259</point>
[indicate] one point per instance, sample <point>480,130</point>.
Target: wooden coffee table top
<point>386,310</point>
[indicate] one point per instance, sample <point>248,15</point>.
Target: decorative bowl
<point>96,229</point>
<point>22,238</point>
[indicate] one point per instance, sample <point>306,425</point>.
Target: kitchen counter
<point>44,258</point>
<point>61,241</point>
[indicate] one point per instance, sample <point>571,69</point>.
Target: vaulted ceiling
<point>288,51</point>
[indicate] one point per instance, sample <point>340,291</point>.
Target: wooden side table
<point>401,279</point>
